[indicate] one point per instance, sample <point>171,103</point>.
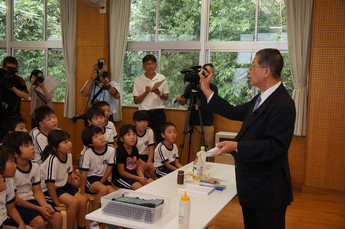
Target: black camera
<point>100,71</point>
<point>103,74</point>
<point>192,74</point>
<point>39,79</point>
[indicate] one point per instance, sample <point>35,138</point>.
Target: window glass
<point>231,75</point>
<point>56,69</point>
<point>272,25</point>
<point>3,20</point>
<point>28,20</point>
<point>232,20</point>
<point>171,64</point>
<point>179,20</point>
<point>53,20</point>
<point>286,76</point>
<point>227,22</point>
<point>37,25</point>
<point>143,20</point>
<point>3,54</point>
<point>132,69</point>
<point>29,60</point>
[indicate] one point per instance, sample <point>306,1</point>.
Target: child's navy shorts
<point>92,179</point>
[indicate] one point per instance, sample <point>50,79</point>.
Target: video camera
<point>100,71</point>
<point>39,79</point>
<point>192,74</point>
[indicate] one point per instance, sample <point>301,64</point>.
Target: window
<point>185,33</point>
<point>30,31</point>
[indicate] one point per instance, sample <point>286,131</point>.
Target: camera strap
<point>97,94</point>
<point>40,95</point>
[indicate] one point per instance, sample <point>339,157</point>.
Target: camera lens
<point>39,79</point>
<point>105,74</point>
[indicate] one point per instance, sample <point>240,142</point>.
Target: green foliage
<point>179,20</point>
<point>29,60</point>
<point>229,20</point>
<point>286,76</point>
<point>143,20</point>
<point>272,24</point>
<point>3,54</point>
<point>2,19</point>
<point>28,20</point>
<point>172,64</point>
<point>56,69</point>
<point>231,76</point>
<point>29,25</point>
<point>53,20</point>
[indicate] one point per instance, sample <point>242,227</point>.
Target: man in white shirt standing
<point>149,91</point>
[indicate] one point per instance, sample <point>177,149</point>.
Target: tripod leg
<point>203,143</point>
<point>185,132</point>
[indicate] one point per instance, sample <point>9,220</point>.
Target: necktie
<point>258,100</point>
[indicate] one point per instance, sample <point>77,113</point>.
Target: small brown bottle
<point>180,177</point>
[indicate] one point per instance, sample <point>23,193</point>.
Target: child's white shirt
<point>6,196</point>
<point>95,163</point>
<point>54,170</point>
<point>109,135</point>
<point>144,141</point>
<point>164,154</point>
<point>40,141</point>
<point>110,125</point>
<point>24,181</point>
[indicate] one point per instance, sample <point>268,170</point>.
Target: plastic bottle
<point>197,167</point>
<point>212,151</point>
<point>184,212</point>
<point>203,154</point>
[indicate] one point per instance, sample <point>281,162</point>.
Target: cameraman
<point>38,93</point>
<point>99,88</point>
<point>206,115</point>
<point>12,90</point>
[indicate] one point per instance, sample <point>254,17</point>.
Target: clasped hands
<point>148,89</point>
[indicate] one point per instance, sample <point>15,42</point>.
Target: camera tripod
<point>193,102</point>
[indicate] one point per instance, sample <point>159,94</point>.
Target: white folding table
<point>203,208</point>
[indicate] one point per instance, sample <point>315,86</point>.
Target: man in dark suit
<point>261,147</point>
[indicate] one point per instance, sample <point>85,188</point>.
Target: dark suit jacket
<point>262,168</point>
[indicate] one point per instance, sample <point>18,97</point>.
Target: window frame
<point>204,46</point>
<point>11,45</point>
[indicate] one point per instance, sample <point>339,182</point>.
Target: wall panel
<point>326,103</point>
